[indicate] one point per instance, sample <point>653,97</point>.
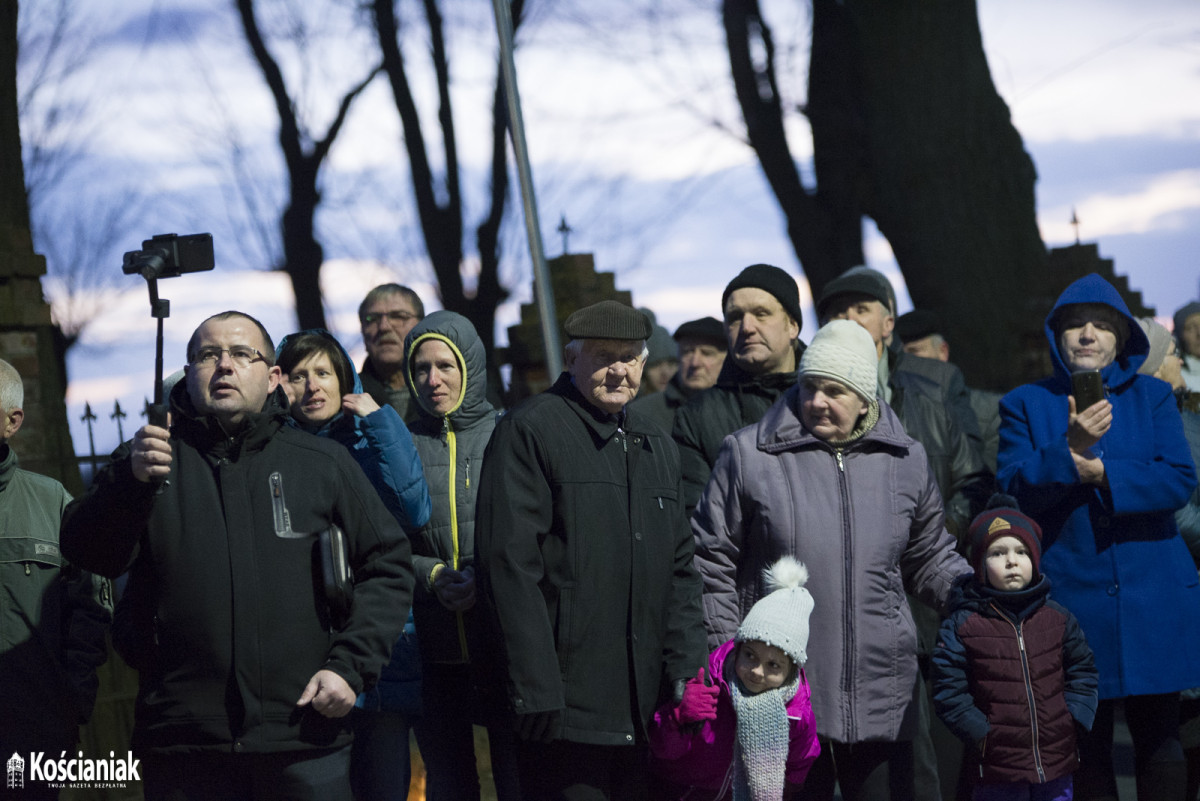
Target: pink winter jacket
<point>704,760</point>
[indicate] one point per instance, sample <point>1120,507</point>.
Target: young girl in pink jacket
<point>749,733</point>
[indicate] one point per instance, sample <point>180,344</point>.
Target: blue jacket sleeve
<point>952,698</point>
<point>1036,468</point>
<point>1082,679</point>
<point>395,468</point>
<point>1163,481</point>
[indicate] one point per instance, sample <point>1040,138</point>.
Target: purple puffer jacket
<point>705,760</point>
<point>868,523</point>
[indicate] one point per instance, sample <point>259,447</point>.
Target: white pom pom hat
<point>781,617</point>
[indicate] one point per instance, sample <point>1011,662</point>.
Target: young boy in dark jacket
<point>1013,673</point>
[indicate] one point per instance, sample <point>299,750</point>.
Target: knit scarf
<point>760,758</point>
<point>865,424</point>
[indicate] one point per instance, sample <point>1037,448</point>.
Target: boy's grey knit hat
<point>781,617</point>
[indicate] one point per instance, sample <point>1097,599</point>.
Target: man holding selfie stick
<point>1103,477</point>
<point>246,693</point>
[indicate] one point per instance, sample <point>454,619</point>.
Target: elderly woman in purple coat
<point>1104,482</point>
<point>830,476</point>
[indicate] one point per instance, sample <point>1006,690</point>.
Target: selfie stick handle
<point>160,308</point>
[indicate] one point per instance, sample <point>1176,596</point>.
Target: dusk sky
<point>633,132</point>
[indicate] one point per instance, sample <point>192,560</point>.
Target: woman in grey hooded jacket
<point>829,476</point>
<point>445,368</point>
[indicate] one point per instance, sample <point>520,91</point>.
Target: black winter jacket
<point>1013,669</point>
<point>238,619</point>
<point>585,560</point>
<point>737,400</point>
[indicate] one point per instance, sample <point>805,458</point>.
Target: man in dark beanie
<point>701,351</point>
<point>585,560</point>
<point>761,308</point>
<point>866,296</point>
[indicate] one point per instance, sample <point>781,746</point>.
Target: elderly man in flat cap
<point>585,558</point>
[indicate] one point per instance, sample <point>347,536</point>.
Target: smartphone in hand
<point>1087,387</point>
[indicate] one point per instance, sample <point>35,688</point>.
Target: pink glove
<point>699,700</point>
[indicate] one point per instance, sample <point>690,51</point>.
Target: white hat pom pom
<point>786,573</point>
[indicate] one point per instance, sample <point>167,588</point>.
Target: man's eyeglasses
<point>242,356</point>
<point>394,317</point>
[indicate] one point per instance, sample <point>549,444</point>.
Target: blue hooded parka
<point>1113,551</point>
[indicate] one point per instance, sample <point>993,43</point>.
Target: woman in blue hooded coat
<point>327,399</point>
<point>1104,483</point>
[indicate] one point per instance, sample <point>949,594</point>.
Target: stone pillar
<point>27,338</point>
<point>575,284</point>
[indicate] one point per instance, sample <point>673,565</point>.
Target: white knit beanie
<point>843,351</point>
<point>781,617</point>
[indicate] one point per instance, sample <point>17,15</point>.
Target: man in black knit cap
<point>761,309</point>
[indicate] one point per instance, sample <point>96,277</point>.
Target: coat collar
<point>206,434</point>
<point>8,465</point>
<point>781,428</point>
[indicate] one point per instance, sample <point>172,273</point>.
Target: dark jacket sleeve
<point>694,465</point>
<point>971,482</point>
<point>101,530</point>
<point>684,644</point>
<point>395,469</point>
<point>381,561</point>
<point>513,516</point>
<point>959,403</point>
<point>951,684</point>
<point>1082,679</point>
<point>88,615</point>
<point>718,527</point>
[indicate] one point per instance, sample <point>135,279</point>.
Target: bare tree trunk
<point>442,223</point>
<point>302,253</point>
<point>827,237</point>
<point>951,185</point>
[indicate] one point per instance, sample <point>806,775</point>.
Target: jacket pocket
<point>563,628</point>
<point>30,551</point>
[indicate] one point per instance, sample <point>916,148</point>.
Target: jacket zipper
<point>848,602</point>
<point>283,520</point>
<point>1037,751</point>
<point>452,443</point>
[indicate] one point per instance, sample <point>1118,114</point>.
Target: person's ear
<point>12,421</point>
<point>274,376</point>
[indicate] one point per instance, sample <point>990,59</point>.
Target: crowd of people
<point>718,564</point>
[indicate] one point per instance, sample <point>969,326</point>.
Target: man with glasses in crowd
<point>387,314</point>
<point>246,693</point>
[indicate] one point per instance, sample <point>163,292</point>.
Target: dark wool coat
<point>585,558</point>
<point>451,449</point>
<point>239,622</point>
<point>1113,552</point>
<point>1015,668</point>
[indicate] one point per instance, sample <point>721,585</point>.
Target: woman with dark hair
<point>327,399</point>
